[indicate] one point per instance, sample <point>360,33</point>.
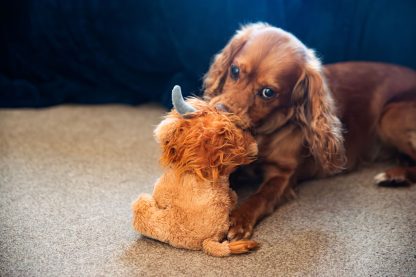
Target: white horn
<point>179,103</point>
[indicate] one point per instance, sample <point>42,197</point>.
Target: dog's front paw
<point>241,225</point>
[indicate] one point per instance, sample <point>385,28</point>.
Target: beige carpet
<point>68,175</point>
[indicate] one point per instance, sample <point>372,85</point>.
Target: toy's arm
<point>165,190</point>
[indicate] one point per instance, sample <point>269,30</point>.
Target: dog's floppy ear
<point>315,111</point>
<point>215,78</point>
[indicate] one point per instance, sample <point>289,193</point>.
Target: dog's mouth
<point>242,122</point>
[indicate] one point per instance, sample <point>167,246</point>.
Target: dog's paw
<point>385,179</point>
<point>241,225</point>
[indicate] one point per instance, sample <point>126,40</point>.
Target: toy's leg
<point>214,248</point>
<point>148,219</point>
<point>226,248</point>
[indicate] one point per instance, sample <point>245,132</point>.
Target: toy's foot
<point>143,202</point>
<point>242,246</point>
<point>241,225</point>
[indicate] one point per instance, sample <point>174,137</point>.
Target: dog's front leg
<point>260,204</point>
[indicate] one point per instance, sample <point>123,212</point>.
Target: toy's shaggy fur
<point>192,200</point>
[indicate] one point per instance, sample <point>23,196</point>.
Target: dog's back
<point>365,93</point>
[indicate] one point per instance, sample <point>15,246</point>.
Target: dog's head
<point>268,77</point>
<point>199,138</point>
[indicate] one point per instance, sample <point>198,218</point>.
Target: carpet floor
<point>68,175</point>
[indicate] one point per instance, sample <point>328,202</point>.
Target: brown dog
<point>295,108</point>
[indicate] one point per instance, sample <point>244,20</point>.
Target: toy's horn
<point>179,103</point>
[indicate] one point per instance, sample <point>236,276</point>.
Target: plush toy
<point>192,200</point>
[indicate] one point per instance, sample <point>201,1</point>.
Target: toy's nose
<point>222,107</point>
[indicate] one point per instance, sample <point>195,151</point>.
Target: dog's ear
<point>215,78</point>
<point>315,111</point>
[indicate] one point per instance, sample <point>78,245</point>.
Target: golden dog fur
<point>310,120</point>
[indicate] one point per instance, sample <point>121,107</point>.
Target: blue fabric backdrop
<point>90,51</point>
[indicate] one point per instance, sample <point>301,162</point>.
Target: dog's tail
<point>226,248</point>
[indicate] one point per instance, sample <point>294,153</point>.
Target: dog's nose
<point>222,107</point>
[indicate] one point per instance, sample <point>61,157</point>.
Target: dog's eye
<point>267,93</point>
<point>234,72</point>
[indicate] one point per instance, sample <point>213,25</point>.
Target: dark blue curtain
<point>90,51</point>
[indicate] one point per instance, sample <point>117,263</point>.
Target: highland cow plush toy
<point>192,200</point>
